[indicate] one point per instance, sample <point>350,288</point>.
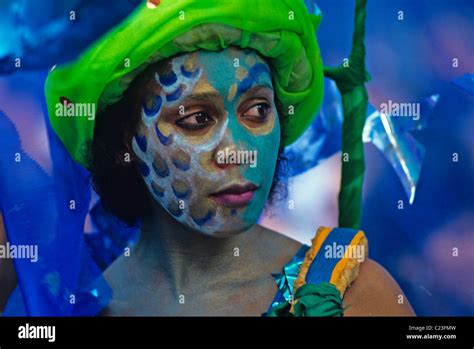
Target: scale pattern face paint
<point>180,169</point>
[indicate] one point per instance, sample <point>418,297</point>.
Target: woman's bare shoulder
<point>375,293</point>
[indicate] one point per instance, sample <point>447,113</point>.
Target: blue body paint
<point>168,79</point>
<point>189,74</point>
<point>175,95</point>
<point>181,195</point>
<point>252,77</point>
<point>162,138</point>
<point>156,109</point>
<point>144,169</point>
<point>204,220</point>
<point>157,191</point>
<point>181,165</point>
<point>142,143</point>
<point>161,173</point>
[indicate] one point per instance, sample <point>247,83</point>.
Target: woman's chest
<point>248,298</point>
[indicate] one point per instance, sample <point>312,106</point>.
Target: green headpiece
<point>281,30</point>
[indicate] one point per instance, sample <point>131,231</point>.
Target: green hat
<point>281,30</point>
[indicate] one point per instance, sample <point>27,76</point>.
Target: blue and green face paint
<point>208,139</point>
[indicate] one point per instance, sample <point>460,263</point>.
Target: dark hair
<point>115,176</point>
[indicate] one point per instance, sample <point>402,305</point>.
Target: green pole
<point>350,78</point>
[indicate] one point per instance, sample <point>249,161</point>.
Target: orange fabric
<point>345,271</point>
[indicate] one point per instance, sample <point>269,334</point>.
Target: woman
<point>194,107</point>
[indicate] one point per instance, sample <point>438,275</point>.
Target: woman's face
<point>208,139</point>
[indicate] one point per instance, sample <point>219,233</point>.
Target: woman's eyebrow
<point>258,88</point>
<point>203,96</point>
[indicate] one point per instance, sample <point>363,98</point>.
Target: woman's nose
<point>226,151</point>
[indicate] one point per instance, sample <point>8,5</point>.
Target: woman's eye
<point>257,113</point>
<point>196,121</point>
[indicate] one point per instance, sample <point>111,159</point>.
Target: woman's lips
<point>235,195</point>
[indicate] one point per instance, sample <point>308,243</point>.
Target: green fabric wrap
<point>281,30</point>
<point>350,81</point>
<point>319,300</point>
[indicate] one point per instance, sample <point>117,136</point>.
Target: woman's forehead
<point>230,72</point>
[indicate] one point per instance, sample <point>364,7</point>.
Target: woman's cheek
<point>263,170</point>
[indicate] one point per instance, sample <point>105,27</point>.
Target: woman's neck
<point>189,260</point>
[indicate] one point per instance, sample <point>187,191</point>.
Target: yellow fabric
<point>316,243</point>
<point>345,271</point>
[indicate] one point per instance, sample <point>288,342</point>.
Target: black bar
<point>336,332</point>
